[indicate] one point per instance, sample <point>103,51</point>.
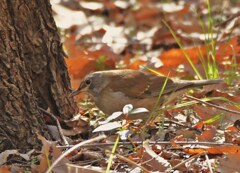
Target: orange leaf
<point>175,57</point>
<point>215,150</point>
<point>207,135</point>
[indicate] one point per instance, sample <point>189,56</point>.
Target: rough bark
<point>43,55</point>
<point>32,72</point>
<point>19,116</point>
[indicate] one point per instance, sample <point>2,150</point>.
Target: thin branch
<point>83,168</point>
<point>131,162</point>
<point>193,157</point>
<point>208,163</point>
<point>228,19</point>
<point>72,149</point>
<point>213,105</point>
<point>151,143</point>
<point>63,139</point>
<point>183,125</point>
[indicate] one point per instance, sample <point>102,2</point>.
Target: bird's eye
<point>88,81</point>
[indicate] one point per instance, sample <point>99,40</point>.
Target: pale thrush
<point>112,90</point>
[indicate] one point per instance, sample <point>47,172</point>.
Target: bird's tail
<point>196,83</point>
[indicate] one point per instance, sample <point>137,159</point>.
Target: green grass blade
<point>183,50</point>
<point>112,154</point>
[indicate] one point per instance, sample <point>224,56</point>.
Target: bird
<point>111,90</point>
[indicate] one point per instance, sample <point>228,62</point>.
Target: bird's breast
<point>109,101</point>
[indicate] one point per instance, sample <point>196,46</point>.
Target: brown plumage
<point>113,89</point>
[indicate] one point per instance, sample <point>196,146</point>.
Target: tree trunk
<point>43,55</point>
<point>31,66</point>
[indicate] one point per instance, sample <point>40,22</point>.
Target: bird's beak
<point>74,93</point>
<point>79,90</point>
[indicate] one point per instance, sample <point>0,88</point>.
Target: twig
<point>150,143</point>
<point>193,157</point>
<point>213,105</point>
<point>228,19</point>
<point>208,163</point>
<point>183,125</point>
<point>65,142</point>
<point>72,149</point>
<point>131,162</point>
<point>83,168</point>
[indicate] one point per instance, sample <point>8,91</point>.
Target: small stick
<point>63,139</point>
<point>193,157</point>
<point>213,105</point>
<point>183,125</point>
<point>229,19</point>
<point>208,163</point>
<point>131,162</point>
<point>72,149</point>
<point>151,143</point>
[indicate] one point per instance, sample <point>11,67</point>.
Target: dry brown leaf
<point>186,133</point>
<point>50,153</point>
<point>208,135</point>
<point>5,169</point>
<point>153,161</point>
<point>229,163</point>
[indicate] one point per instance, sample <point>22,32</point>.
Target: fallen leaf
<point>107,127</point>
<point>229,163</point>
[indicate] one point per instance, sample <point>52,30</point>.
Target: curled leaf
<point>107,127</point>
<point>139,110</point>
<point>127,108</point>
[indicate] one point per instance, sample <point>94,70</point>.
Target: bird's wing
<point>132,84</point>
<point>140,85</point>
<point>137,84</point>
<point>157,83</point>
<point>173,86</point>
